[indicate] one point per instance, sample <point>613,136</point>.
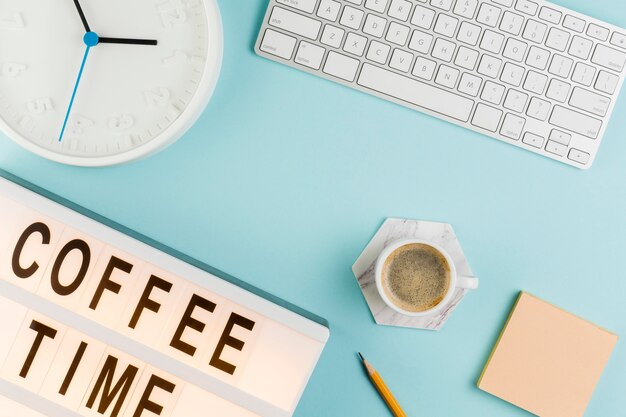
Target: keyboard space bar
<point>415,92</point>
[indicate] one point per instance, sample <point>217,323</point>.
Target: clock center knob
<point>91,39</point>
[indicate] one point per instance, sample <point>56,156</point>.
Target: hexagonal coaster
<point>389,232</point>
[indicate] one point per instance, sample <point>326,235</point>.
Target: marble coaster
<point>390,231</point>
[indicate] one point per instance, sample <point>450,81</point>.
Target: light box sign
<point>96,322</point>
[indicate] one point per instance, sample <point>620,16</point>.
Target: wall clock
<point>93,83</point>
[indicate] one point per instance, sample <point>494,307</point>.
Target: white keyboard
<point>530,73</point>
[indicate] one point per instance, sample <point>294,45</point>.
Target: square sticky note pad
<point>547,361</point>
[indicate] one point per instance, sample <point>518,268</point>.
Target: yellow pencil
<point>382,389</point>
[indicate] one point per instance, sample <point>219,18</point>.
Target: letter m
<point>104,383</point>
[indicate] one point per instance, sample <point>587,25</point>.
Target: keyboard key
<point>512,74</point>
<point>424,68</point>
<point>589,101</point>
<point>583,74</point>
<point>489,66</point>
<point>447,76</point>
<point>560,66</point>
<point>557,39</point>
<point>534,31</point>
<point>574,23</point>
<point>470,84</point>
<point>329,10</point>
<point>374,25</point>
<point>575,122</point>
<point>493,92</point>
<point>579,156</point>
<point>341,66</point>
<point>332,36</point>
<point>487,117</point>
<point>515,100</point>
<point>556,148</point>
<point>304,5</point>
<point>466,8</point>
<point>295,23</point>
<point>535,82</point>
<point>400,9</point>
<point>397,33</point>
<point>378,52</point>
<point>526,6</point>
<point>511,23</point>
<point>515,49</point>
<point>538,109</point>
<point>310,55</point>
<point>560,137</point>
<point>376,5</point>
<point>442,4</point>
<point>550,15</point>
<point>538,58</point>
<point>415,92</point>
<point>446,25</point>
<point>468,33</point>
<point>533,140</point>
<point>558,90</point>
<point>505,3</point>
<point>355,44</point>
<point>420,41</point>
<point>278,44</point>
<point>492,41</point>
<point>401,60</point>
<point>619,40</point>
<point>488,14</point>
<point>423,17</point>
<point>597,32</point>
<point>512,126</point>
<point>352,17</point>
<point>580,47</point>
<point>606,82</point>
<point>466,58</point>
<point>443,50</point>
<point>609,58</point>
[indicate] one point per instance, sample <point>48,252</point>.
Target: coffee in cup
<point>417,277</point>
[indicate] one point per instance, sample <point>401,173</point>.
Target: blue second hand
<point>90,39</point>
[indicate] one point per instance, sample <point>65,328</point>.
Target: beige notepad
<point>547,361</point>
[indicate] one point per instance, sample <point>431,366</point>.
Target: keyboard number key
<point>512,126</point>
<point>511,23</point>
<point>332,36</point>
<point>278,44</point>
<point>488,15</point>
<point>466,8</point>
<point>310,55</point>
<point>534,31</point>
<point>441,4</point>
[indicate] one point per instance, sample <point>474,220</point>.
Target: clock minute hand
<point>82,16</point>
<point>125,41</point>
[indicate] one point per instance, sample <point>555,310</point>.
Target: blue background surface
<point>286,177</point>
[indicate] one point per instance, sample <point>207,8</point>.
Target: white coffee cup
<point>456,281</point>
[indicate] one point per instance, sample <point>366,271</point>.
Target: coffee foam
<point>416,277</point>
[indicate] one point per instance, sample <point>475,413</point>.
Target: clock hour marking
<point>13,69</point>
<point>182,57</point>
<point>174,12</point>
<point>40,105</point>
<point>157,97</point>
<point>121,122</point>
<point>15,21</point>
<point>79,124</point>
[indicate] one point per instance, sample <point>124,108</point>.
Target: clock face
<point>123,82</point>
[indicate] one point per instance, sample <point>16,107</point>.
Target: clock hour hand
<point>82,16</point>
<point>125,41</point>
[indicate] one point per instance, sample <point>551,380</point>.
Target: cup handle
<point>468,282</point>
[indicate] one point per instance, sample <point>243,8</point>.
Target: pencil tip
<point>361,356</point>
